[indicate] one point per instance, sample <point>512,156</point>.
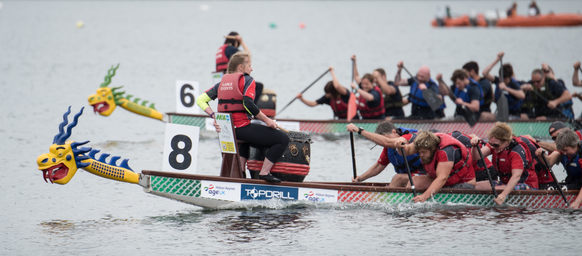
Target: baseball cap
<point>557,125</point>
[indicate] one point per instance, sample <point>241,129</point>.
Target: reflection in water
<point>250,226</point>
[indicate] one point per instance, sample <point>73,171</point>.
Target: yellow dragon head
<point>106,99</point>
<point>61,163</point>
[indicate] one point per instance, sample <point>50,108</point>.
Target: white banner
<point>186,94</point>
<point>180,148</point>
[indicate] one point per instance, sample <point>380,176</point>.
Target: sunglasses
<point>495,145</point>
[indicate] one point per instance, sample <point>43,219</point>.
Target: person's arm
<point>475,141</point>
<point>575,80</point>
<point>244,45</point>
<point>487,70</point>
<point>577,201</point>
<point>517,93</point>
<point>550,146</point>
<point>336,83</point>
<point>310,103</point>
<point>374,170</point>
<point>366,95</point>
<point>398,81</point>
<point>473,105</point>
<point>372,136</point>
<point>566,96</point>
<point>515,176</point>
<point>474,95</point>
<point>355,72</point>
<point>202,103</point>
<point>443,170</point>
<point>338,87</point>
<point>384,86</point>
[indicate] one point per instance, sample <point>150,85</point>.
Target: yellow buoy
<point>80,24</point>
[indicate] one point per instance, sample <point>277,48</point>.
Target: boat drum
<point>293,164</point>
<point>267,102</point>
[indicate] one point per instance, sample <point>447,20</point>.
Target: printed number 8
<point>173,158</point>
<point>187,96</point>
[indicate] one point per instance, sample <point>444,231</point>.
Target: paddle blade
<point>470,117</point>
<point>352,107</point>
<point>502,109</point>
<point>432,98</point>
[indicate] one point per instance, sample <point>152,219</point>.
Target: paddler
<point>392,96</point>
<point>554,129</point>
<point>545,97</point>
<point>575,80</point>
<point>478,166</point>
<point>569,153</point>
<point>420,108</point>
<point>511,158</point>
<point>336,96</point>
<point>236,93</point>
<point>445,159</point>
<point>509,87</point>
<point>371,100</point>
<point>485,109</point>
<point>468,93</point>
<point>231,43</point>
<point>384,132</point>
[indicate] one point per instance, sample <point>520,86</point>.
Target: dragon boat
<point>66,156</point>
<point>538,129</point>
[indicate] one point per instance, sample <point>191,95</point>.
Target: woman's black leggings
<point>262,136</point>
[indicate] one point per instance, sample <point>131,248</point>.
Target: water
<point>47,64</point>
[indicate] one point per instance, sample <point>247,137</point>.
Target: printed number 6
<point>173,158</point>
<point>187,98</point>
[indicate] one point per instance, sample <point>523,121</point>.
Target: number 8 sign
<point>186,93</point>
<point>180,148</point>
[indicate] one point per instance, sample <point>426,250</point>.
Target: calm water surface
<point>47,64</point>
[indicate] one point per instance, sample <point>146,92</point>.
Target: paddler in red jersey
<point>445,159</point>
<point>236,93</point>
<point>511,158</point>
<point>336,96</point>
<point>229,48</point>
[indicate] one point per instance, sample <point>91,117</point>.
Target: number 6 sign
<point>180,148</point>
<point>186,93</point>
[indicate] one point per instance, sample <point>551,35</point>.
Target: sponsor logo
<point>213,190</point>
<point>258,192</point>
<point>317,196</point>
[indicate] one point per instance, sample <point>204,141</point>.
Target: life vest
<point>463,94</point>
<point>543,176</point>
<point>339,107</point>
<point>371,112</point>
<point>416,93</point>
<point>513,103</point>
<point>230,96</point>
<point>466,140</point>
<point>488,98</point>
<point>462,171</point>
<point>573,165</point>
<point>579,133</point>
<point>221,59</point>
<point>397,160</point>
<point>502,163</point>
<point>394,100</point>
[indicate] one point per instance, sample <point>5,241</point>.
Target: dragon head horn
<point>110,74</point>
<point>62,136</point>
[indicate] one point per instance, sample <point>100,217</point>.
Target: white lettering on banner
<point>254,193</point>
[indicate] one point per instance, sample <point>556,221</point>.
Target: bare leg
<point>483,185</point>
<point>421,182</point>
<point>487,116</point>
<point>267,165</point>
<point>399,181</point>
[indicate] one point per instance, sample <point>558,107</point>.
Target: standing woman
<point>236,94</point>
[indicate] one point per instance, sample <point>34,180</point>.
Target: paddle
<point>488,172</point>
<point>555,183</point>
<point>575,123</point>
<point>304,90</point>
<point>430,96</point>
<point>353,155</point>
<point>408,171</point>
<point>502,104</point>
<point>352,106</point>
<point>468,115</point>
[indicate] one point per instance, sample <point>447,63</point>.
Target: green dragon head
<point>64,157</point>
<point>106,98</point>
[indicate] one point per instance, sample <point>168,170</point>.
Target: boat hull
<point>218,192</point>
<point>537,129</point>
<point>549,20</point>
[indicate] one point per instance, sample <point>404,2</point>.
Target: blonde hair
<point>235,60</point>
<point>426,140</point>
<point>501,131</point>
